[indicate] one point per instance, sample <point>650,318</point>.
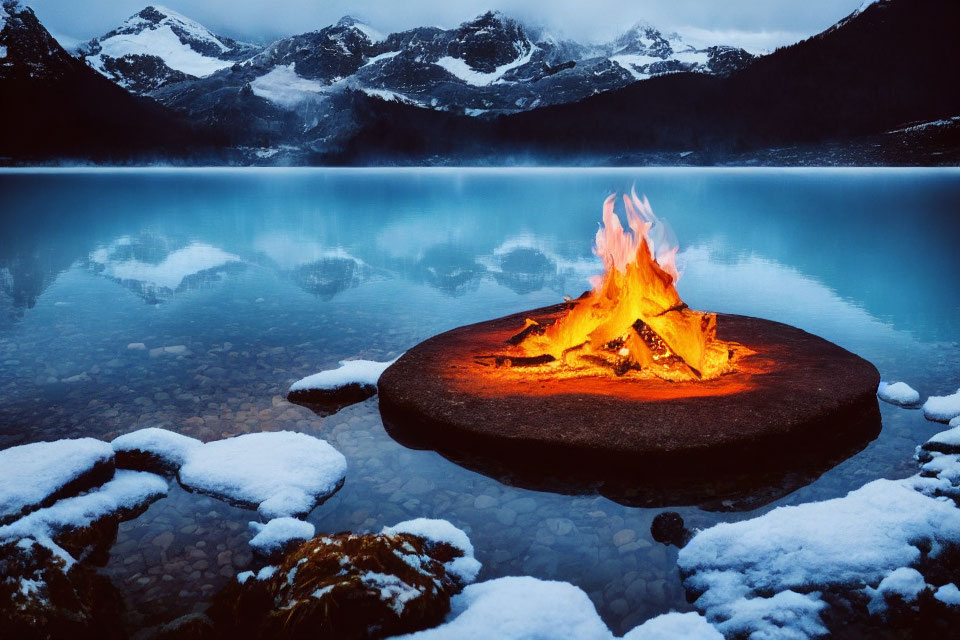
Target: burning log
<point>530,328</point>
<point>517,361</point>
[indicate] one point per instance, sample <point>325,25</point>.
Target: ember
<point>633,321</point>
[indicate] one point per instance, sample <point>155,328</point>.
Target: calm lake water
<point>265,276</point>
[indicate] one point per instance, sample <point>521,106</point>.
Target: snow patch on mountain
<point>391,96</point>
<point>634,62</point>
<point>283,87</point>
<point>463,71</point>
<point>163,43</point>
<point>381,58</point>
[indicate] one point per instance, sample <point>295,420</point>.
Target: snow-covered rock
<point>945,442</point>
<point>362,372</point>
<point>126,492</point>
<point>899,393</point>
<point>524,608</point>
<point>767,573</point>
<point>948,594</point>
<point>153,449</point>
<point>465,567</point>
<point>278,534</point>
<point>674,626</point>
<point>329,391</point>
<point>942,408</point>
<point>905,582</point>
<point>519,608</point>
<point>36,474</point>
<point>282,474</point>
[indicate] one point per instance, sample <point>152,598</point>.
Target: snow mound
<point>283,473</point>
<point>167,446</point>
<point>942,408</point>
<point>850,542</point>
<point>904,582</point>
<point>31,474</point>
<point>127,491</point>
<point>464,568</point>
<point>948,594</point>
<point>362,372</point>
<point>278,533</point>
<point>675,626</point>
<point>898,393</point>
<point>519,608</point>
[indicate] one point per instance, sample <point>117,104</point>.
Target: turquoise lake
<point>266,276</point>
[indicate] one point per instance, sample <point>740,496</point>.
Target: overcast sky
<point>759,23</point>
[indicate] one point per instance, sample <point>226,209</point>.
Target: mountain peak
<point>349,22</point>
<point>158,46</point>
<point>644,39</point>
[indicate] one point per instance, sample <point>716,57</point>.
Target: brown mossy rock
<point>344,586</point>
<point>41,599</point>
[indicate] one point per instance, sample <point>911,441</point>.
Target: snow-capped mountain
<point>296,91</point>
<point>158,46</point>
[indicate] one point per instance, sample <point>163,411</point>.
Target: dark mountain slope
<point>55,106</point>
<point>897,61</point>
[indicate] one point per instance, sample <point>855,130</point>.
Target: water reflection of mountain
<point>22,279</point>
<point>329,276</point>
<point>156,268</point>
<point>525,270</point>
<point>27,269</point>
<point>450,268</point>
<point>315,267</point>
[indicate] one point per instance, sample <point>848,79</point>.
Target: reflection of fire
<point>633,322</point>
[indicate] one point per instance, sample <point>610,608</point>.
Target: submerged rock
<point>346,586</point>
<point>668,528</point>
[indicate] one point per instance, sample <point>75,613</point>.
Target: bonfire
<point>633,322</point>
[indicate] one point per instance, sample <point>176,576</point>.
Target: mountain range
<point>493,89</point>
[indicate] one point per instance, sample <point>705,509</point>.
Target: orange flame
<point>633,321</point>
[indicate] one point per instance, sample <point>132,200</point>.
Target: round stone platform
<point>796,407</point>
